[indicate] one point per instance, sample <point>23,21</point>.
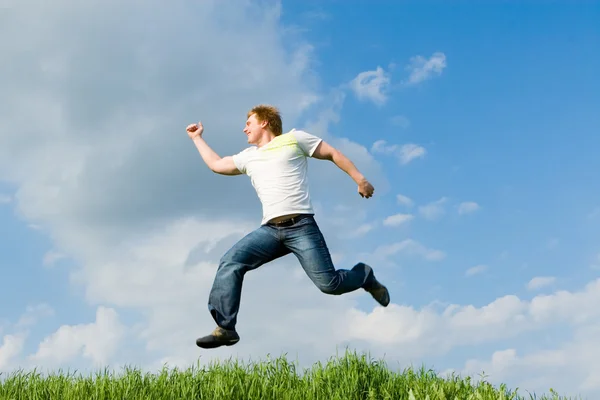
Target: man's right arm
<point>217,164</point>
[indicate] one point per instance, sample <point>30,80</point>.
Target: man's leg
<point>306,241</point>
<point>255,249</point>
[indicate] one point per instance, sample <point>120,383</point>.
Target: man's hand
<point>195,130</point>
<point>365,189</point>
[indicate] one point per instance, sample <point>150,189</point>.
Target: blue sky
<point>111,226</point>
<point>509,124</point>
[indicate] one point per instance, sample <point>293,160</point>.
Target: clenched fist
<point>194,130</point>
<point>365,189</point>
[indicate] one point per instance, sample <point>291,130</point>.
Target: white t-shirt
<point>278,172</point>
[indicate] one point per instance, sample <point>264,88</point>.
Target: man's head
<point>262,120</point>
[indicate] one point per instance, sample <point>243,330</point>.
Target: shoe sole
<point>216,344</point>
<point>387,298</point>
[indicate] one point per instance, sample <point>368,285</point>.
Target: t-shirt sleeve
<point>307,142</point>
<point>241,160</point>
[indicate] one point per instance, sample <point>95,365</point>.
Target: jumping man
<point>277,166</point>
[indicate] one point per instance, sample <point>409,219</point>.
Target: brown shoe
<point>218,337</point>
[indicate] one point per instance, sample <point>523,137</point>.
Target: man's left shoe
<point>218,337</point>
<point>379,292</point>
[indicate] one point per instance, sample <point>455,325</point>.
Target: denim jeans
<point>267,243</point>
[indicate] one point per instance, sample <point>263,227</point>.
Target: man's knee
<point>329,287</point>
<point>228,258</point>
<point>329,290</point>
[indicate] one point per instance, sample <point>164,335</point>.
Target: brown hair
<point>270,114</point>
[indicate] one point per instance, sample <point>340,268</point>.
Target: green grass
<point>349,377</point>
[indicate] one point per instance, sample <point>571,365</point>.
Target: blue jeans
<point>267,243</point>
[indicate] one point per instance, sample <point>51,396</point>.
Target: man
<point>277,167</point>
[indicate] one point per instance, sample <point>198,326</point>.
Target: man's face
<point>253,129</point>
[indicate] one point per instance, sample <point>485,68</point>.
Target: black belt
<point>290,221</point>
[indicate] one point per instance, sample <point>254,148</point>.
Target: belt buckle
<point>288,221</point>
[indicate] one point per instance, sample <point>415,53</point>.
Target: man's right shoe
<point>379,292</point>
<point>218,337</point>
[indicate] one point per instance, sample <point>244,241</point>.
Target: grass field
<point>348,377</point>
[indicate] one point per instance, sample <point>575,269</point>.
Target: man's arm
<point>325,151</point>
<point>217,164</point>
<point>220,165</point>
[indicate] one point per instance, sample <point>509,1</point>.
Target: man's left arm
<point>325,151</point>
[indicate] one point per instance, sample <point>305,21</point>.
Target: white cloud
<point>540,282</point>
<point>468,207</point>
<point>371,85</point>
<point>362,230</point>
<point>422,68</point>
<point>433,210</point>
<point>33,314</point>
<point>411,151</point>
<point>11,347</point>
<point>122,192</point>
<point>478,269</point>
<point>381,146</point>
<point>405,153</point>
<point>410,247</point>
<point>97,133</point>
<point>404,200</point>
<point>573,367</point>
<point>5,199</point>
<point>594,213</point>
<point>407,327</point>
<point>400,121</point>
<point>415,334</point>
<point>177,261</point>
<point>97,341</point>
<point>51,257</point>
<point>397,219</point>
<point>596,263</point>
